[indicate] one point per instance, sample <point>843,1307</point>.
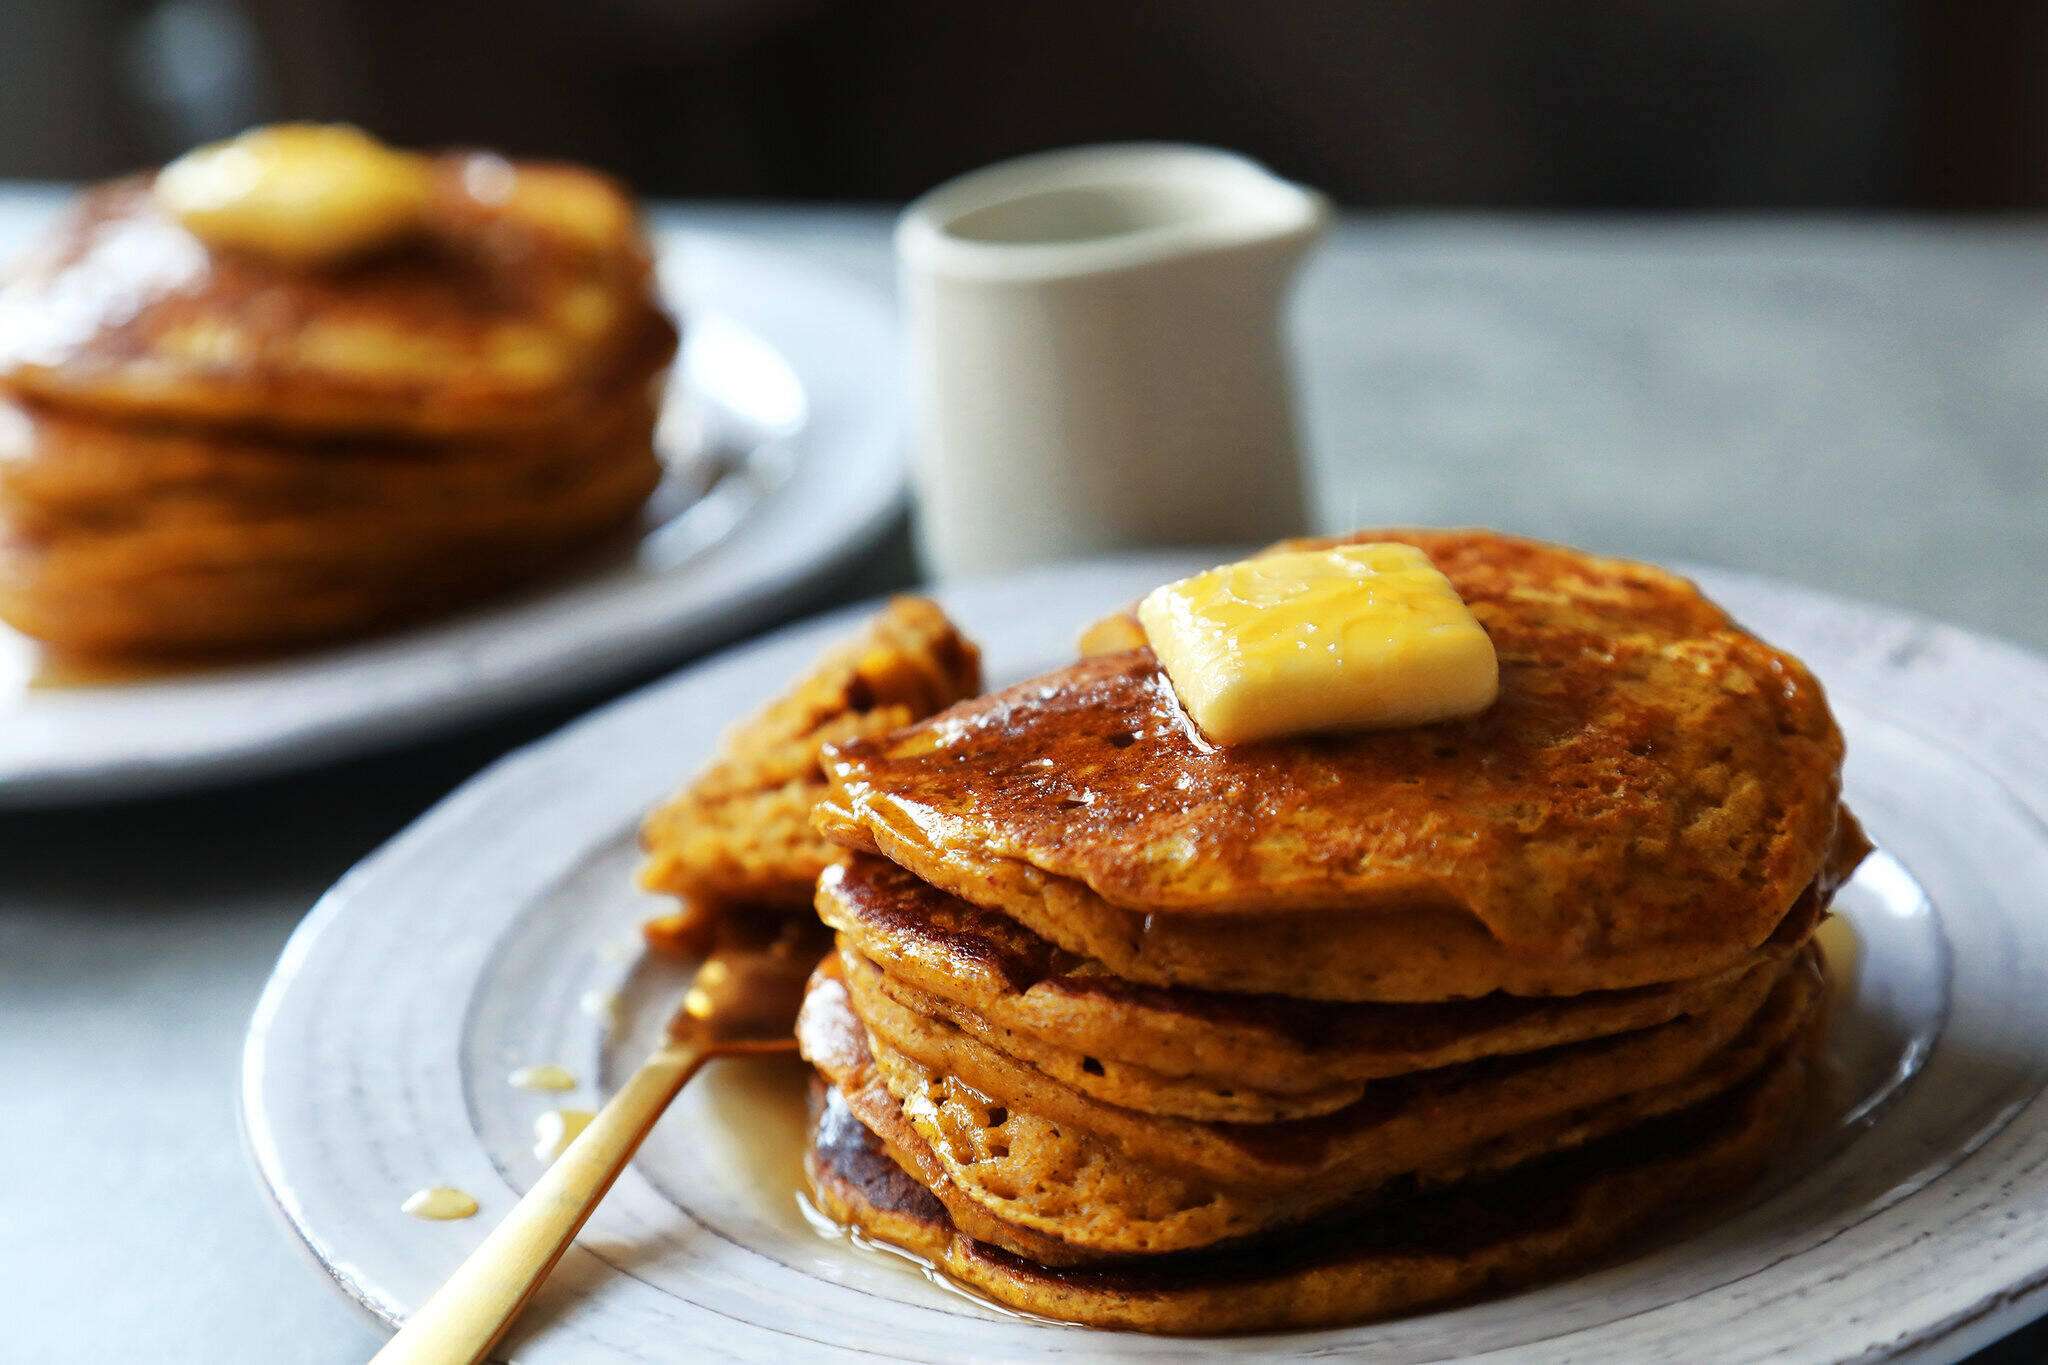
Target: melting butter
<point>439,1202</point>
<point>1355,637</point>
<point>544,1076</point>
<point>304,194</point>
<point>556,1129</point>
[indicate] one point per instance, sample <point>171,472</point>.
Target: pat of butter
<point>1358,637</point>
<point>301,193</point>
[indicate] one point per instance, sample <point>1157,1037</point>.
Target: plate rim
<point>866,464</point>
<point>1993,1313</point>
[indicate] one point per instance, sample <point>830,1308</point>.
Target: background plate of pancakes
<point>782,437</point>
<point>1903,1220</point>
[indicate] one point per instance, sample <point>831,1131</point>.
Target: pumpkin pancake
<point>70,479</point>
<point>1457,1243</point>
<point>173,535</point>
<point>881,998</point>
<point>521,290</point>
<point>1398,1125</point>
<point>740,832</point>
<point>65,471</point>
<point>987,974</point>
<point>937,1031</point>
<point>249,610</point>
<point>177,574</point>
<point>1650,796</point>
<point>1047,1190</point>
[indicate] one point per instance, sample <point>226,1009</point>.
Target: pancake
<point>741,830</point>
<point>69,481</point>
<point>1398,1125</point>
<point>988,974</point>
<point>1651,796</point>
<point>177,573</point>
<point>523,290</point>
<point>67,471</point>
<point>1045,1190</point>
<point>1421,956</point>
<point>934,1030</point>
<point>1458,1243</point>
<point>249,611</point>
<point>881,998</point>
<point>174,535</point>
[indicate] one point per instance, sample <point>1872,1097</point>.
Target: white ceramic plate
<point>784,407</point>
<point>1910,1221</point>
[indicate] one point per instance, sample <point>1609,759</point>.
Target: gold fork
<point>743,1000</point>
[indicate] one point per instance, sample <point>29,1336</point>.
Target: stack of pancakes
<point>204,448</point>
<point>1129,1029</point>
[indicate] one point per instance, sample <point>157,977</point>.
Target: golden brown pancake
<point>740,832</point>
<point>1038,1185</point>
<point>988,974</point>
<point>950,1039</point>
<point>172,536</point>
<point>272,552</point>
<point>238,610</point>
<point>63,470</point>
<point>69,478</point>
<point>1457,1243</point>
<point>1391,957</point>
<point>1651,795</point>
<point>880,998</point>
<point>1399,1125</point>
<point>525,289</point>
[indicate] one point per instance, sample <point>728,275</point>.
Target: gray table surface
<point>1854,403</point>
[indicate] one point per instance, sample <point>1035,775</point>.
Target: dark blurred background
<point>1939,104</point>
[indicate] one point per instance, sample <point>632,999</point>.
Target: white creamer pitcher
<point>1097,356</point>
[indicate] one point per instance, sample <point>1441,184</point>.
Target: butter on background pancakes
<point>332,405</point>
<point>1134,1029</point>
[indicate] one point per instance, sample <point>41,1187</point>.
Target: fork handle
<point>466,1316</point>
